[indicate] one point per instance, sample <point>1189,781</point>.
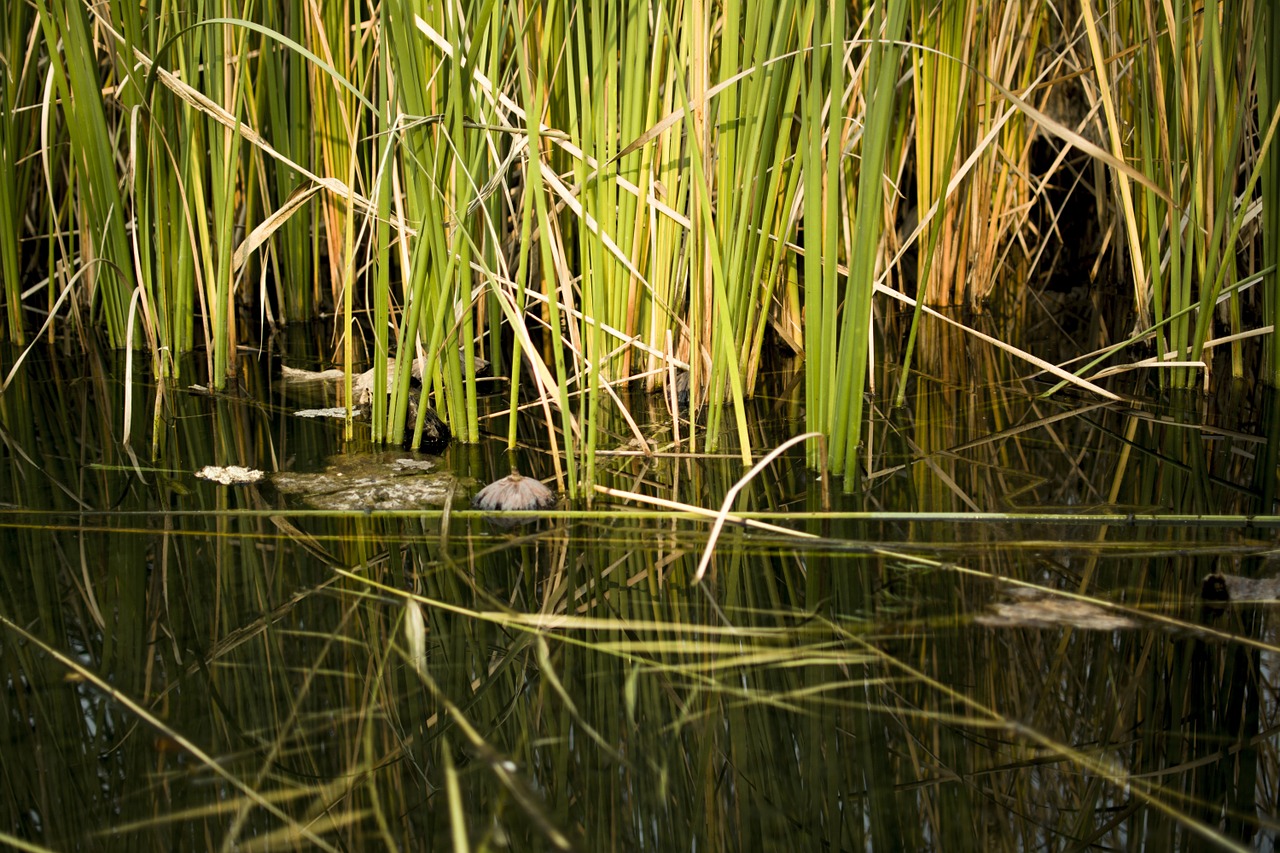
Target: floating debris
<point>514,493</point>
<point>232,475</point>
<point>1032,608</point>
<point>412,464</point>
<point>362,388</point>
<point>333,412</point>
<point>298,376</point>
<point>362,384</point>
<point>372,481</point>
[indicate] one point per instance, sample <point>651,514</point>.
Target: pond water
<point>999,640</point>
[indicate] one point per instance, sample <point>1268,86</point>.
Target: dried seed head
<point>514,493</point>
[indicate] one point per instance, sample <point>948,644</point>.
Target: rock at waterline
<point>1220,587</point>
<point>435,432</point>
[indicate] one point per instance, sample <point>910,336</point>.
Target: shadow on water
<point>998,642</point>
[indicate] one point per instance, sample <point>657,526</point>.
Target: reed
<point>95,237</point>
<point>1267,35</point>
<point>845,419</point>
<point>18,172</point>
<point>593,198</point>
<point>1173,74</point>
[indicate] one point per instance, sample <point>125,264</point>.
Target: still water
<point>999,640</point>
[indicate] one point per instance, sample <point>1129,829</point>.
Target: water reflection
<point>190,665</point>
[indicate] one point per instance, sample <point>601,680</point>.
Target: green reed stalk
<point>1225,45</point>
<point>164,214</point>
<point>348,306</point>
<point>491,220</point>
<point>148,181</point>
<point>517,351</point>
<point>382,252</point>
<point>709,280</point>
<point>284,88</point>
<point>409,95</point>
<point>1190,136</point>
<point>533,87</point>
<point>820,291</point>
<point>754,186</point>
<point>103,243</point>
<point>1266,39</point>
<point>18,87</point>
<point>590,68</point>
<point>831,87</point>
<point>637,109</point>
<point>433,265</point>
<point>333,129</point>
<point>224,51</point>
<point>666,327</point>
<point>1180,268</point>
<point>882,75</point>
<point>944,33</point>
<point>939,89</point>
<point>1099,53</point>
<point>457,158</point>
<point>524,251</point>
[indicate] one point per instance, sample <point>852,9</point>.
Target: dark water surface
<point>997,642</point>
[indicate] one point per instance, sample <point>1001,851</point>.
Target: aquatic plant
<point>590,197</point>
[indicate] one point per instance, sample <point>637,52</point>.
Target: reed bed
<point>595,197</point>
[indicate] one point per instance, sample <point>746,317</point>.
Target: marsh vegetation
<point>998,282</point>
